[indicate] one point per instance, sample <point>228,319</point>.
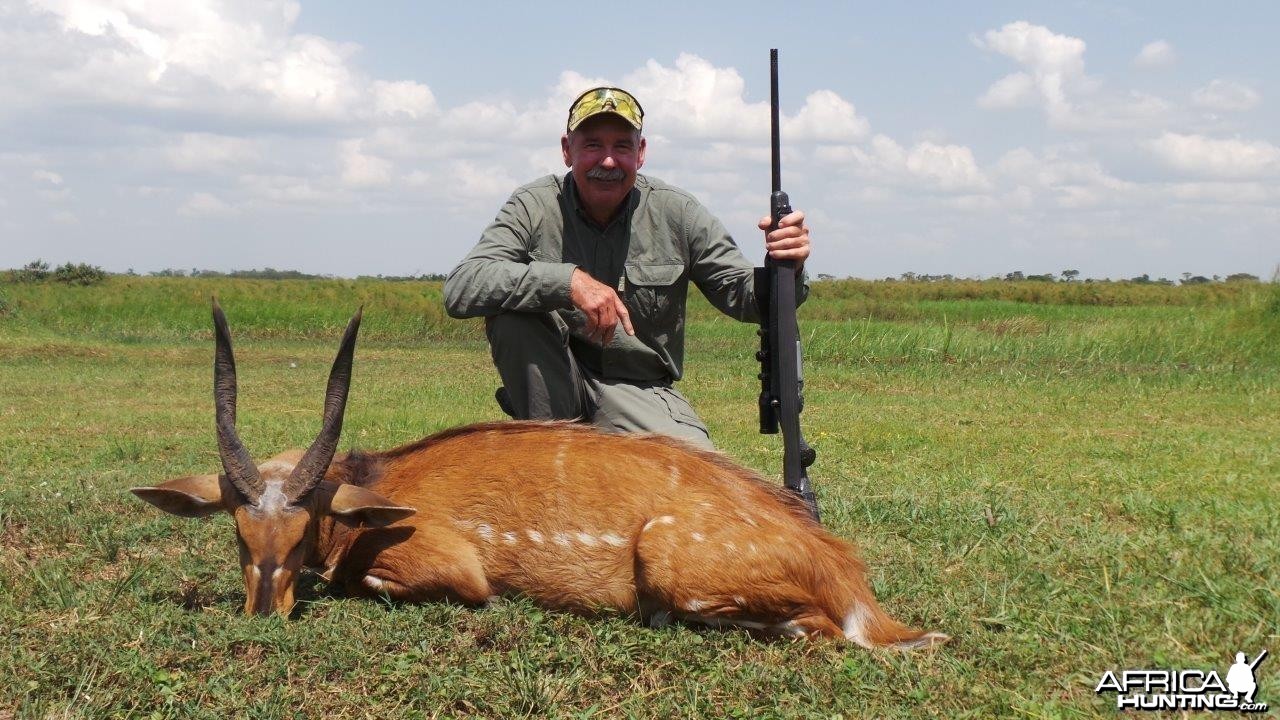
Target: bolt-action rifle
<point>781,379</point>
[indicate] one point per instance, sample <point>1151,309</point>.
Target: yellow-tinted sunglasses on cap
<point>605,100</point>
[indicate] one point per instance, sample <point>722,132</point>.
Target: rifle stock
<point>781,377</point>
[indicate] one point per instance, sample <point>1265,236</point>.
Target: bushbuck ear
<point>190,497</point>
<point>353,502</point>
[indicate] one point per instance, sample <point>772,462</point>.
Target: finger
<point>789,231</point>
<point>595,316</point>
<point>625,317</point>
<point>794,219</point>
<point>608,323</point>
<point>788,243</point>
<point>766,222</point>
<point>798,254</point>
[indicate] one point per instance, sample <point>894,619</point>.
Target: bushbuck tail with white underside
<point>571,517</point>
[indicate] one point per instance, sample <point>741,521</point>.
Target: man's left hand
<point>790,241</point>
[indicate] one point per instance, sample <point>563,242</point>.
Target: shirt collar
<point>628,205</point>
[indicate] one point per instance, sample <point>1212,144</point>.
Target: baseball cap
<point>605,100</point>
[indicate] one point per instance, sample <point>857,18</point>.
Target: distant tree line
<point>1065,276</point>
<point>86,274</point>
<point>263,274</point>
<point>273,274</point>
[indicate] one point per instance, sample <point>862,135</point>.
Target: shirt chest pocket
<point>655,290</point>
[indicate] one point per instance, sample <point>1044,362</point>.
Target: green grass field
<point>1066,478</point>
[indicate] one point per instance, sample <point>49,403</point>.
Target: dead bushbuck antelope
<point>568,516</point>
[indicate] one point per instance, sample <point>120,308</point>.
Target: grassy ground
<point>1065,479</point>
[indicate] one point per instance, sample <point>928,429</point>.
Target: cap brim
<point>598,113</point>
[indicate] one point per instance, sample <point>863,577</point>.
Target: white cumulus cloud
<point>360,169</point>
<point>1052,63</point>
<point>1157,54</point>
<point>1226,95</point>
<point>1229,158</point>
<point>1052,77</point>
<point>203,204</point>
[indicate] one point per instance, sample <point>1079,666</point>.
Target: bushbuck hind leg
<point>766,580</point>
<point>430,564</point>
<point>697,574</point>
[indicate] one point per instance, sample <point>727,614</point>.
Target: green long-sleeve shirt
<point>662,240</point>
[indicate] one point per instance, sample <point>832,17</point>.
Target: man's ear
<point>564,150</point>
<point>640,153</point>
<point>355,504</point>
<point>190,497</point>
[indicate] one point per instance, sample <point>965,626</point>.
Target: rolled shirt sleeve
<point>500,274</point>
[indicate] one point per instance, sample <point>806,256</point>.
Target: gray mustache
<point>606,175</point>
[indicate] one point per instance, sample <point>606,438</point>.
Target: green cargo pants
<point>543,379</point>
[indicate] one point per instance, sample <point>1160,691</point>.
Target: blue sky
<point>380,138</point>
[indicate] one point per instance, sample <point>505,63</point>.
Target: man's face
<point>604,153</point>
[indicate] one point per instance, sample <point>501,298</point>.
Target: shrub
<point>79,274</point>
<point>34,271</point>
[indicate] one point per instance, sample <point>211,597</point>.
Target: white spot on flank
<point>586,539</point>
<point>373,582</point>
<point>730,547</point>
<point>739,601</point>
<point>485,532</point>
<point>855,624</point>
<point>509,538</point>
<point>673,476</point>
<point>696,605</point>
<point>661,519</point>
<point>705,504</point>
<point>561,452</point>
<point>561,539</point>
<point>614,540</point>
<point>751,548</point>
<point>534,535</point>
<point>697,537</point>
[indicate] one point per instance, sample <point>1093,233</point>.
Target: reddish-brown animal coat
<point>577,519</point>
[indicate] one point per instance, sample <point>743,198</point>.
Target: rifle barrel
<point>773,119</point>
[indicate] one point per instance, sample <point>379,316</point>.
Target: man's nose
<point>608,162</point>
